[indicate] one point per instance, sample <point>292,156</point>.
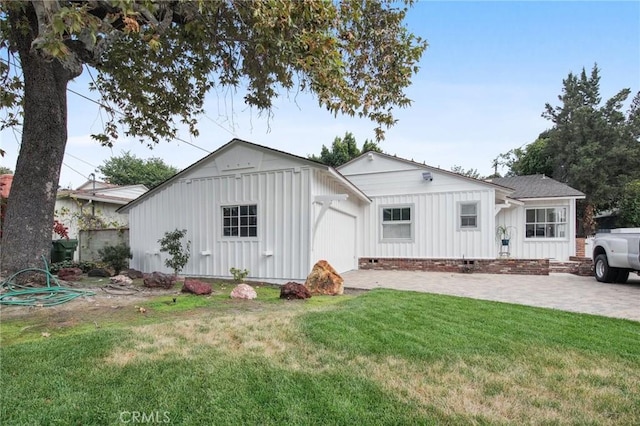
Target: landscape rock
<point>196,287</point>
<point>323,279</point>
<point>243,291</point>
<point>159,280</point>
<point>121,280</point>
<point>293,290</point>
<point>70,274</point>
<point>133,273</point>
<point>99,272</point>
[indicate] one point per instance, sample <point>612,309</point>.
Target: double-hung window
<point>468,215</point>
<point>548,222</point>
<point>240,221</point>
<point>397,223</point>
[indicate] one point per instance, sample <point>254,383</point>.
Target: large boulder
<point>159,280</point>
<point>70,274</point>
<point>323,279</point>
<point>243,291</point>
<point>196,287</point>
<point>121,280</point>
<point>293,290</point>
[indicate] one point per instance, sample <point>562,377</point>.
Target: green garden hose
<point>16,295</point>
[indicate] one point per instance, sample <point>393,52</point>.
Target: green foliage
<point>592,146</point>
<point>5,170</point>
<point>116,256</point>
<point>179,253</point>
<point>131,170</point>
<point>344,150</point>
<point>239,275</point>
<point>534,158</point>
<point>85,266</point>
<point>629,206</point>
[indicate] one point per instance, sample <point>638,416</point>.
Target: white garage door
<point>335,241</point>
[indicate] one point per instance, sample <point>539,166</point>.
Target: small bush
<point>116,256</point>
<point>172,243</point>
<point>239,275</point>
<point>85,266</point>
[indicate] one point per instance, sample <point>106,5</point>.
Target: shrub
<point>238,275</point>
<point>172,243</point>
<point>116,256</point>
<point>85,266</point>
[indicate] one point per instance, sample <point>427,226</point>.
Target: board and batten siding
<point>336,234</point>
<point>435,205</point>
<point>436,233</point>
<point>537,248</point>
<point>195,201</point>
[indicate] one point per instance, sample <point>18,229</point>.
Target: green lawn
<point>383,357</point>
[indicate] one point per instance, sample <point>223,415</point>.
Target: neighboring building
<point>93,205</point>
<point>276,214</point>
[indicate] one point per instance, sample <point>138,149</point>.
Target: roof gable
<point>239,156</point>
<point>376,162</point>
<point>537,186</point>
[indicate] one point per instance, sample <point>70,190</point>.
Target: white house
<point>251,207</point>
<point>418,211</point>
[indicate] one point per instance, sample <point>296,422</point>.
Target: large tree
<point>593,145</point>
<point>128,169</point>
<point>343,150</point>
<point>155,61</point>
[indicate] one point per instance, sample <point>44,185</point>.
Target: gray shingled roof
<point>537,186</point>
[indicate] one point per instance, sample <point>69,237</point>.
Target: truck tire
<point>604,273</point>
<point>622,276</point>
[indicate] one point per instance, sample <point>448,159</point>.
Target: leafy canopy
<point>157,60</point>
<point>344,150</point>
<point>131,170</point>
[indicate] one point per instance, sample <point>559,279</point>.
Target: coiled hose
<point>17,295</point>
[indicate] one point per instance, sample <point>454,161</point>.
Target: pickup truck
<point>615,254</point>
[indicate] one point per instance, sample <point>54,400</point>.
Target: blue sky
<point>483,83</point>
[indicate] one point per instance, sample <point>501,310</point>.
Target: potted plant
<point>503,233</point>
<point>63,248</point>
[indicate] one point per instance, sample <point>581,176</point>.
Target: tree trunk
<point>44,137</point>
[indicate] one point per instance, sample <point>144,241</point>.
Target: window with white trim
<point>240,221</point>
<point>547,222</point>
<point>468,216</point>
<point>397,223</point>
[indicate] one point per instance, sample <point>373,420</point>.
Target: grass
<point>383,357</point>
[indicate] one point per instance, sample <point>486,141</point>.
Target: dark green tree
<point>629,205</point>
<point>5,170</point>
<point>344,150</point>
<point>534,158</point>
<point>154,62</point>
<point>131,170</point>
<point>593,145</point>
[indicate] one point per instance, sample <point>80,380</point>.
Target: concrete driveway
<point>566,292</point>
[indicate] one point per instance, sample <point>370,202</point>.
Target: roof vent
<point>427,176</point>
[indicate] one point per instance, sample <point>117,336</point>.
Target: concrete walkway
<point>559,291</point>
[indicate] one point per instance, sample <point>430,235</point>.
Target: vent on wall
<point>427,176</point>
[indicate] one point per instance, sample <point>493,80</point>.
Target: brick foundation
<point>486,266</point>
<point>580,245</point>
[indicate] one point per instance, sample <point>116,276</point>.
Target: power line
<point>121,113</point>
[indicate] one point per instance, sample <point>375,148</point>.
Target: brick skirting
<point>487,266</point>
